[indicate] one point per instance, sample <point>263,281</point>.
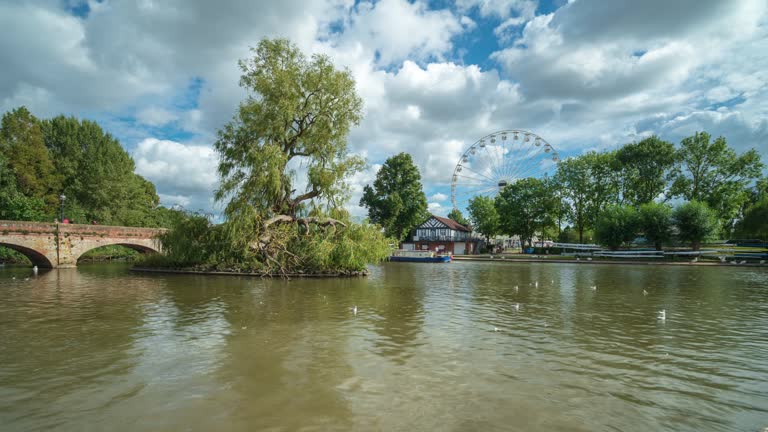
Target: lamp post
<point>62,197</point>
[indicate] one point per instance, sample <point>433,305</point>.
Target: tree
<point>396,201</point>
<point>695,223</point>
<point>97,174</point>
<point>485,218</point>
<point>655,222</point>
<point>616,226</point>
<point>299,113</point>
<point>13,204</point>
<point>754,224</point>
<point>711,172</point>
<point>525,208</point>
<point>455,214</point>
<point>645,168</point>
<point>589,182</point>
<point>21,140</point>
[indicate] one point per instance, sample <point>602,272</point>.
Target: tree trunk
<point>696,245</point>
<point>658,245</point>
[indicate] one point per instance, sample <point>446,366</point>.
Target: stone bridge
<point>55,245</point>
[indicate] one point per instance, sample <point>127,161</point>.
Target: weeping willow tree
<point>284,162</point>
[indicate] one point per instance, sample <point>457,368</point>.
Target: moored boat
<point>419,256</point>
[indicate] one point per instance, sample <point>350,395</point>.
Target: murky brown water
<point>451,347</point>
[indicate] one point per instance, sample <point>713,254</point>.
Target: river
<point>466,346</point>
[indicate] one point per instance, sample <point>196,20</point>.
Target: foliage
<point>456,215</point>
<point>396,201</point>
<point>44,159</point>
<point>21,141</point>
<point>299,114</point>
<point>616,226</point>
<point>695,223</point>
<point>590,183</point>
<point>485,218</point>
<point>754,225</point>
<point>298,117</point>
<point>712,172</point>
<point>645,168</point>
<point>195,243</point>
<point>525,207</point>
<point>655,222</point>
<point>106,253</point>
<point>97,175</point>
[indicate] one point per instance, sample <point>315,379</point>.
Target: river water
<point>467,346</point>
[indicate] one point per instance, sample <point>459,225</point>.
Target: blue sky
<point>435,75</point>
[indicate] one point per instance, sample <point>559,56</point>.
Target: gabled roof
<point>452,224</point>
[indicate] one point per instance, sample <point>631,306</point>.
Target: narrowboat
<point>419,256</point>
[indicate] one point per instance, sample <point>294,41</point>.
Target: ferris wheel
<point>499,159</point>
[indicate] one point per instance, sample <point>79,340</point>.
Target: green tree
<point>525,208</point>
<point>655,222</point>
<point>21,140</point>
<point>485,218</point>
<point>754,224</point>
<point>646,168</point>
<point>299,113</point>
<point>695,223</point>
<point>455,214</point>
<point>98,175</point>
<point>712,172</point>
<point>589,182</point>
<point>616,226</point>
<point>396,201</point>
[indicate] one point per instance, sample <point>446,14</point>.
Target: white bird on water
<point>354,309</point>
<point>536,284</point>
<point>517,288</point>
<point>645,292</point>
<point>495,329</point>
<point>662,315</point>
<point>34,269</point>
<point>594,287</point>
<point>516,306</point>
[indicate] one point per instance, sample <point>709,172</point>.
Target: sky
<point>435,76</point>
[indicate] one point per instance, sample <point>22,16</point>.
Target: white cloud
<point>396,30</point>
<point>182,173</point>
<point>438,197</point>
<point>154,116</point>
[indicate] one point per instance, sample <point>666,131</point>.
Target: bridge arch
<point>142,246</point>
<point>38,258</point>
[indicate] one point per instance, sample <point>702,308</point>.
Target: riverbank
<point>251,274</point>
<point>564,260</point>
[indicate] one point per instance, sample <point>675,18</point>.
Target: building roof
<point>452,224</point>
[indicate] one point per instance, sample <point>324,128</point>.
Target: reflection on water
<point>463,346</point>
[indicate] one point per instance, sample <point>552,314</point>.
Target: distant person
<point>66,221</point>
<point>93,222</point>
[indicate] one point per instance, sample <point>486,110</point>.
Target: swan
<point>645,292</point>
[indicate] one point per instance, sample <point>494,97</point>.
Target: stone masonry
<point>55,245</point>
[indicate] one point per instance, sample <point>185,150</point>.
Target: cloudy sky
<point>161,75</point>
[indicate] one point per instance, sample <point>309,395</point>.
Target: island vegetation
<point>284,167</point>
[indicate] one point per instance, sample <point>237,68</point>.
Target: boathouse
<point>443,235</point>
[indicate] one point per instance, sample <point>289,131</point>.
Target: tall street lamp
<point>62,197</point>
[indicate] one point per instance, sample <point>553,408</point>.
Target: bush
<point>616,225</point>
<point>695,223</point>
<point>655,222</point>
